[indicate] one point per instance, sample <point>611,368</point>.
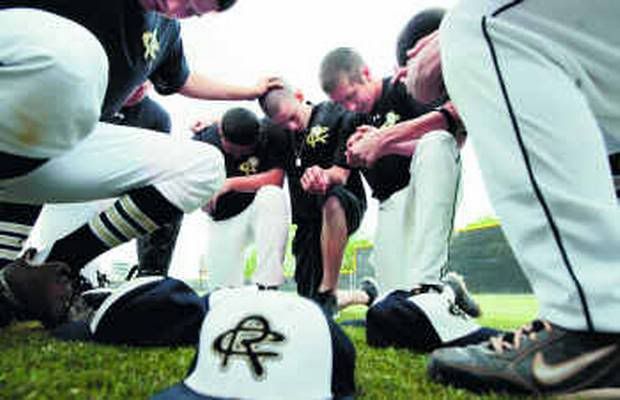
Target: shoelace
<point>512,341</point>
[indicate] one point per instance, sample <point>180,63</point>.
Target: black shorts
<point>307,241</point>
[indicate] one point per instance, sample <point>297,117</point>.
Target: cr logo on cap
<point>244,341</point>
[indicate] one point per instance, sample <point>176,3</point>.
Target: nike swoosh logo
<point>548,374</point>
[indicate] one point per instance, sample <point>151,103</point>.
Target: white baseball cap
<point>267,345</point>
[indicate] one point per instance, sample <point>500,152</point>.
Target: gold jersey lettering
<point>318,134</point>
<point>391,119</point>
<point>250,166</point>
<point>151,45</point>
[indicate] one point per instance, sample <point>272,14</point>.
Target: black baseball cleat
<point>540,359</point>
<point>462,297</point>
<point>369,286</point>
<point>328,303</point>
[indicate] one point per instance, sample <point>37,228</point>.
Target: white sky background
<point>288,38</point>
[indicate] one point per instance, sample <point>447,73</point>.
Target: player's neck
<point>306,114</point>
<point>377,89</point>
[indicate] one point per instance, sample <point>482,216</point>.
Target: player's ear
<point>220,130</point>
<point>299,96</point>
<point>366,75</point>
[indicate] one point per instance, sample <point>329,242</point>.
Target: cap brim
<point>181,391</point>
<point>73,331</point>
<point>356,323</point>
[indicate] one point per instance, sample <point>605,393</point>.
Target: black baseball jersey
<point>391,173</point>
<point>147,114</point>
<point>323,143</point>
<point>140,44</point>
<point>264,158</point>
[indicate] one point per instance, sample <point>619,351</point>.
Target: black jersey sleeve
<point>276,142</point>
<point>157,118</point>
<point>164,124</point>
<point>273,154</point>
<point>407,105</point>
<point>210,135</point>
<point>173,71</point>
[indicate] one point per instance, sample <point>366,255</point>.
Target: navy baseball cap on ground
<point>422,320</point>
<point>267,345</point>
<point>149,311</point>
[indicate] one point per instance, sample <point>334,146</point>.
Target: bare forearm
<point>337,175</point>
<point>406,148</point>
<point>252,183</point>
<point>412,129</point>
<point>418,127</point>
<point>201,87</point>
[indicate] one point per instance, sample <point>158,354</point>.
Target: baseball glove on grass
<point>37,291</point>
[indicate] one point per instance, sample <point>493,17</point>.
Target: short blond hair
<point>342,61</point>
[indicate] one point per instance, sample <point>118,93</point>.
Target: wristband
<point>447,116</point>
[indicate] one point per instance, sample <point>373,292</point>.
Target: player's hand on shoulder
<point>424,78</point>
<point>400,74</point>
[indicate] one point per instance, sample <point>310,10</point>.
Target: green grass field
<point>35,366</point>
